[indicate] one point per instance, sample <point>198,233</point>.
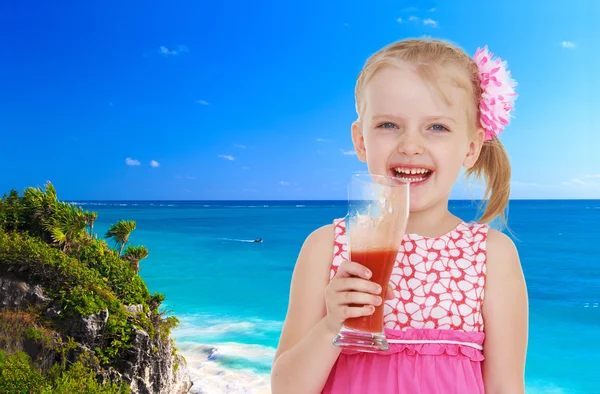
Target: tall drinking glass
<point>378,208</point>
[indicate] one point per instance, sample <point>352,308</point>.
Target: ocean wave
<point>89,203</point>
<point>208,326</point>
<point>223,368</point>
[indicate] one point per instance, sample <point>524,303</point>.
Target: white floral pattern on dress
<point>438,282</point>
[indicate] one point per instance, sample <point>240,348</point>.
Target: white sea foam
<point>208,326</point>
<point>209,370</point>
<point>218,365</point>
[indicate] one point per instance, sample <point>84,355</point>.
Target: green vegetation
<point>51,243</point>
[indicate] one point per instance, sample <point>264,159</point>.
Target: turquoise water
<point>232,294</point>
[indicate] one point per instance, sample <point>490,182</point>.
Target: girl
<point>425,110</point>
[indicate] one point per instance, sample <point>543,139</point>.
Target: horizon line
<point>314,200</point>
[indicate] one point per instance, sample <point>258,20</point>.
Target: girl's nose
<point>411,143</point>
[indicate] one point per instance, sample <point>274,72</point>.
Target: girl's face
<point>408,131</point>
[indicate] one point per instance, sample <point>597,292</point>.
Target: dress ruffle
<point>432,349</point>
<point>430,368</point>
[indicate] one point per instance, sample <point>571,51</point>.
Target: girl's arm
<point>505,314</point>
<point>306,354</point>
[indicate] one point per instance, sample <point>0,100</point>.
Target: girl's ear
<point>475,146</point>
<point>359,141</point>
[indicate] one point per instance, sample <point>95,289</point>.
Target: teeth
<point>411,171</point>
<point>412,179</point>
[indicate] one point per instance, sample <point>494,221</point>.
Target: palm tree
<point>41,205</point>
<point>120,233</point>
<point>134,254</point>
<point>66,226</point>
<point>12,216</point>
<point>90,218</point>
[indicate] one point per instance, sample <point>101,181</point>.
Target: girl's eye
<point>387,125</point>
<point>439,127</point>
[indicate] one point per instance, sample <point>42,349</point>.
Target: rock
<point>15,293</point>
<point>133,309</point>
<point>150,367</point>
<point>110,375</point>
<point>53,312</point>
<point>214,353</point>
<point>86,329</point>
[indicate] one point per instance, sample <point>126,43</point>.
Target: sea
<point>230,293</point>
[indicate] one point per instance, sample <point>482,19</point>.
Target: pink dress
<point>434,324</point>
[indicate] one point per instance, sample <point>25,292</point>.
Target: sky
<point>235,100</point>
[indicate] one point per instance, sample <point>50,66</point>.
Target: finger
<point>355,284</point>
<point>349,312</point>
<point>355,298</point>
<point>351,268</point>
<point>389,294</point>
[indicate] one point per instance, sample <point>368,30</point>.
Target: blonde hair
<point>434,59</point>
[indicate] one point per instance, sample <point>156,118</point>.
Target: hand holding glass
<point>378,208</point>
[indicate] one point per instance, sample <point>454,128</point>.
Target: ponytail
<point>493,165</point>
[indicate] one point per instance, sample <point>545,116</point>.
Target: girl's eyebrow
<point>386,116</point>
<point>427,118</point>
<point>440,117</point>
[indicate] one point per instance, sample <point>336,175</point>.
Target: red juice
<point>381,263</point>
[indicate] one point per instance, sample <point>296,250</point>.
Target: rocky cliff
<point>150,366</point>
<point>75,316</point>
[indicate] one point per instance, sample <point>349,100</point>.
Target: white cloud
<point>589,181</point>
<point>163,50</point>
<point>321,140</point>
<point>132,162</point>
<point>568,44</point>
<point>240,146</point>
<point>283,183</point>
<point>320,152</point>
<point>245,168</point>
<point>202,102</point>
<point>154,164</point>
<point>416,19</point>
<point>227,157</point>
<point>348,152</point>
<point>432,9</point>
<point>430,22</point>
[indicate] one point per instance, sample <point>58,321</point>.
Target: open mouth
<point>411,175</point>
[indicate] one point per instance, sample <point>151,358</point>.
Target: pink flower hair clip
<point>498,96</point>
